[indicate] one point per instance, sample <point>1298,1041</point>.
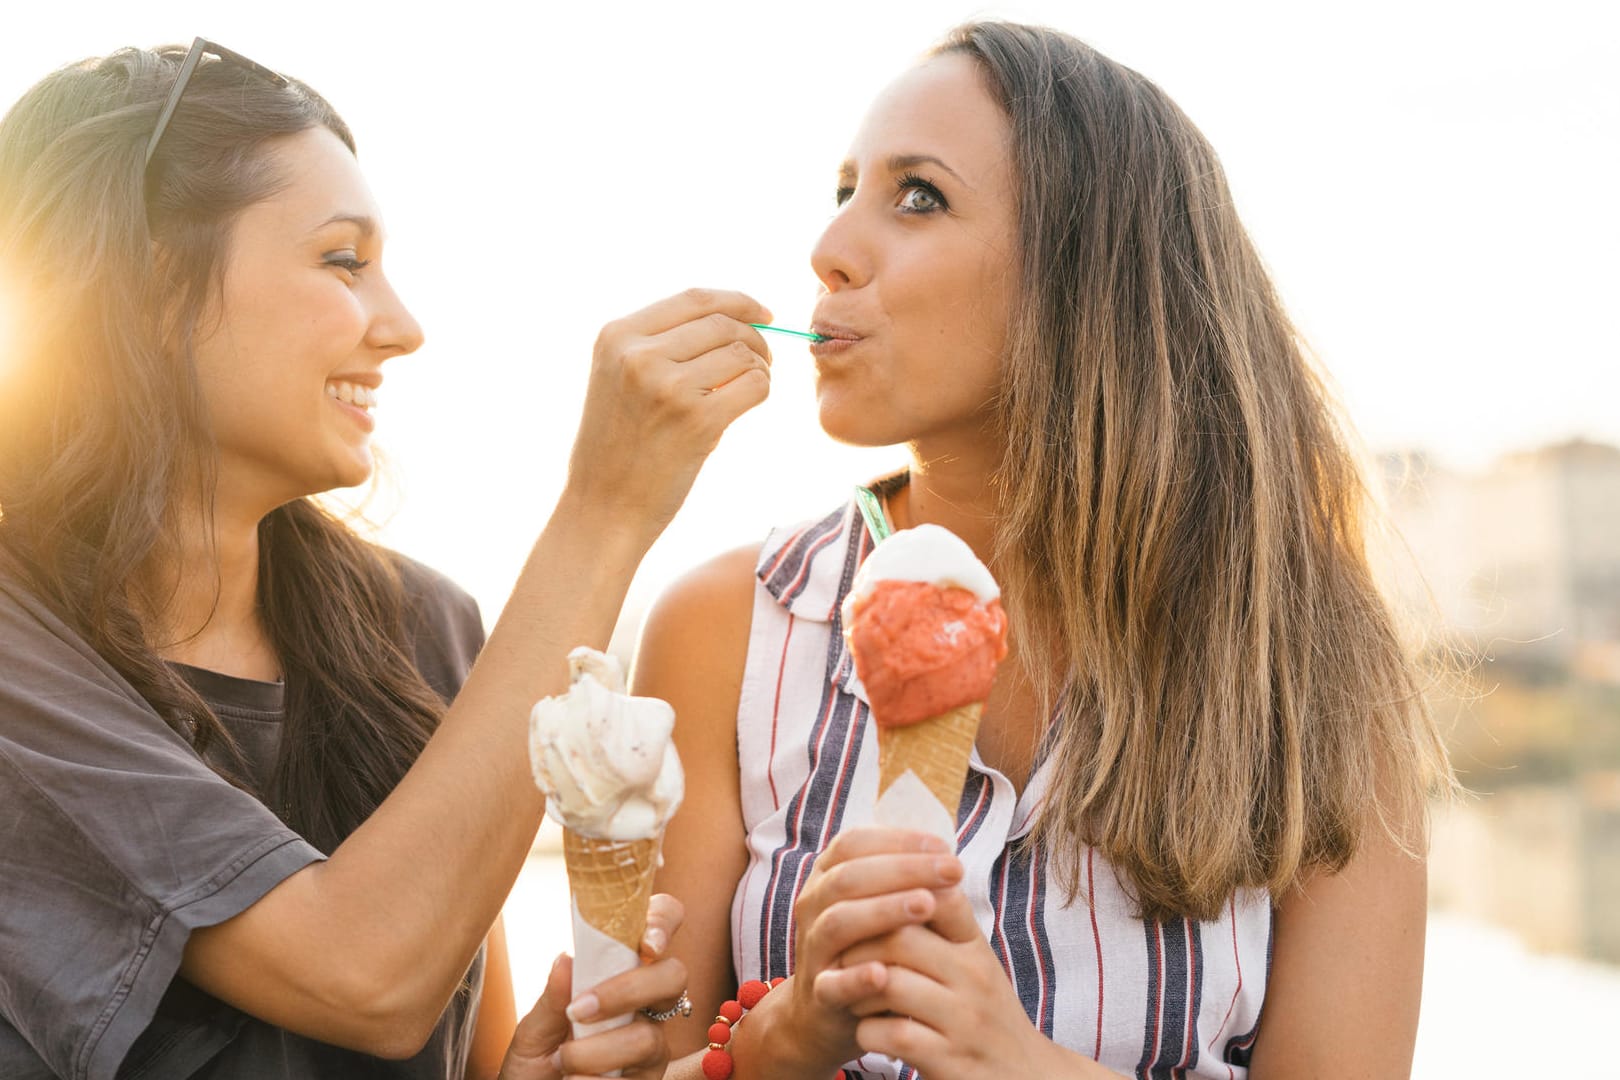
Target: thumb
<point>546,1027</point>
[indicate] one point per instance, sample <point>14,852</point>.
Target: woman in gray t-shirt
<point>259,811</point>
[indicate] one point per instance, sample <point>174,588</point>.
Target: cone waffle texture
<point>936,749</point>
<point>612,882</point>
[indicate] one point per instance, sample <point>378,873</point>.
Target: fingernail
<point>930,842</point>
<point>583,1008</point>
<point>556,1062</point>
<point>655,939</point>
<point>916,906</point>
<point>948,870</point>
<point>557,963</point>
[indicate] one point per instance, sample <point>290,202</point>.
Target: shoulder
<point>40,648</point>
<point>694,640</point>
<point>432,592</point>
<point>21,612</point>
<point>709,608</point>
<point>443,622</point>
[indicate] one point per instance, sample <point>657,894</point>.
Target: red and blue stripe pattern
<point>1147,999</point>
<point>1175,986</point>
<point>816,809</point>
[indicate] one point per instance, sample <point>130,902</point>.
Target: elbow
<point>399,1042</point>
<point>392,1022</point>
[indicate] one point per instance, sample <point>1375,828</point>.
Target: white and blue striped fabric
<point>1148,999</point>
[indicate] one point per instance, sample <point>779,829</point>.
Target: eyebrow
<point>364,222</point>
<point>901,162</point>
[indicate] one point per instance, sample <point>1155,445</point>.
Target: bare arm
<point>1347,971</point>
<point>365,949</point>
<point>693,648</point>
<point>497,1009</point>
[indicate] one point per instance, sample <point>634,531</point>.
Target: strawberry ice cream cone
<point>926,631</point>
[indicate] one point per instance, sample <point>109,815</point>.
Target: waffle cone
<point>936,749</point>
<point>612,883</point>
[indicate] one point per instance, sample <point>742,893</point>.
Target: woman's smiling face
<point>290,365</point>
<point>918,267</point>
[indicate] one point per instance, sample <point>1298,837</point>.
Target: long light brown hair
<point>1181,518</point>
<point>103,434</point>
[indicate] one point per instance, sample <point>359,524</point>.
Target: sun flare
<point>8,332</point>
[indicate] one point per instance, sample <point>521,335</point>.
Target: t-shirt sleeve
<point>116,841</point>
<point>447,630</point>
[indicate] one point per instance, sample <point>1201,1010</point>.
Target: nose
<point>393,330</point>
<point>840,259</point>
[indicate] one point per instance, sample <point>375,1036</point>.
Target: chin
<point>859,427</point>
<point>352,474</point>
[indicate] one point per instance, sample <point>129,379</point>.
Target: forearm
<point>765,1045</point>
<point>689,1067</point>
<point>749,1065</point>
<point>453,836</point>
<point>769,1044</point>
<point>367,948</point>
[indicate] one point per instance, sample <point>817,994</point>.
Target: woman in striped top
<point>1190,841</point>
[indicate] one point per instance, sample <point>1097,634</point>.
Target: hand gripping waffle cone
<point>612,882</point>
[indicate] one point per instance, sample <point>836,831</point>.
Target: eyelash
<point>348,262</point>
<point>911,181</point>
<point>906,182</point>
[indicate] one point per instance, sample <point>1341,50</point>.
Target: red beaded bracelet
<point>717,1063</point>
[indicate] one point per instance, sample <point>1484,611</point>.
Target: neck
<point>950,486</point>
<point>206,595</point>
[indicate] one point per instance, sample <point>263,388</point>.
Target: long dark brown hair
<point>103,434</point>
<point>1181,520</point>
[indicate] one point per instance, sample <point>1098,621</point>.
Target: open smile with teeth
<point>361,397</point>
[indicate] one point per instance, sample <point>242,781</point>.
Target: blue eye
<point>918,196</point>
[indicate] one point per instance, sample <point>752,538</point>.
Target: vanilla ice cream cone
<point>612,882</point>
<point>612,779</point>
<point>936,749</point>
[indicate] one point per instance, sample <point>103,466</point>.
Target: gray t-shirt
<point>116,841</point>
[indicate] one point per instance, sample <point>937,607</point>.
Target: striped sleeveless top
<point>1147,999</point>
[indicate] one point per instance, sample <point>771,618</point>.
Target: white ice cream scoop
<point>605,759</point>
<point>928,553</point>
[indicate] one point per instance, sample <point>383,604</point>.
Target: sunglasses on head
<point>194,56</point>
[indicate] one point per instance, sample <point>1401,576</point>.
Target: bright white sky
<point>1432,184</point>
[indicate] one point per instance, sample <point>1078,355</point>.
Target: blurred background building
<point>1516,570</point>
